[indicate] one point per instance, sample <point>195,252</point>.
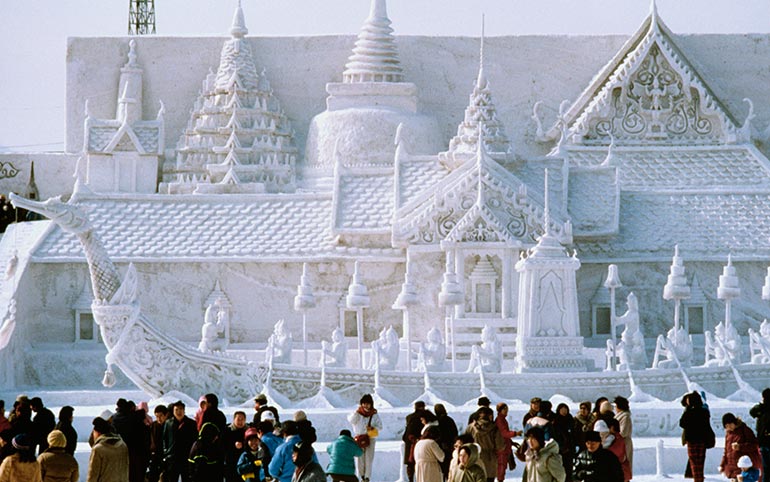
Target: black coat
<point>695,421</point>
<point>761,412</point>
<point>178,438</point>
<point>70,434</point>
<point>599,466</point>
<point>43,423</point>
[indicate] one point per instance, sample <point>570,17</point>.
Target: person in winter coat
<point>234,445</point>
<point>623,416</point>
<point>43,422</point>
<point>503,456</point>
<point>447,434</point>
<point>179,434</point>
<point>485,434</point>
<point>308,469</point>
<point>584,420</point>
<point>128,422</point>
<point>412,433</point>
<point>207,457</point>
<point>614,442</point>
<point>109,455</point>
<point>542,458</point>
<point>749,473</point>
<point>596,464</point>
<point>761,412</point>
<point>342,454</point>
<point>363,420</point>
<point>156,444</point>
<point>469,467</point>
<point>66,416</point>
<point>564,425</point>
<point>22,465</point>
<point>281,465</point>
<point>255,458</point>
<point>428,457</point>
<point>212,414</point>
<point>739,440</point>
<point>56,465</point>
<point>461,440</point>
<point>696,431</point>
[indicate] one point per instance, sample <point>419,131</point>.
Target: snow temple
<point>422,185</point>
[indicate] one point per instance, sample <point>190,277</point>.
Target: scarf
<point>366,413</point>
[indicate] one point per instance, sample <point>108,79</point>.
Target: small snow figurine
<point>748,472</point>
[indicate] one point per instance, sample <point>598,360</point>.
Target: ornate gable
<point>476,192</point>
<point>649,93</point>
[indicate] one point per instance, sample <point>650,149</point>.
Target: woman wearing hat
<point>697,433</point>
<point>56,465</point>
<point>542,458</point>
<point>739,441</point>
<point>22,465</point>
<point>366,425</point>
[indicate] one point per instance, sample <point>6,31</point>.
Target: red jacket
<point>747,445</point>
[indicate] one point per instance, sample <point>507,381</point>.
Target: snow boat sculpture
<point>155,362</point>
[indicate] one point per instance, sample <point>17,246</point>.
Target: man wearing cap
<point>109,455</point>
<point>260,405</point>
<point>56,463</point>
<point>179,434</point>
<point>596,464</point>
<point>534,409</point>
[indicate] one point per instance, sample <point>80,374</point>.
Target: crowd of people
<point>593,445</point>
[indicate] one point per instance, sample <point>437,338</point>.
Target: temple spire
<point>481,81</point>
<point>375,55</point>
<point>239,30</point>
<point>547,206</point>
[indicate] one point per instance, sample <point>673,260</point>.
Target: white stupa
<point>373,96</point>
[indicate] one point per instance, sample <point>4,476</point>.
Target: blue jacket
<point>750,475</point>
<point>342,453</point>
<point>246,466</point>
<point>272,441</point>
<point>282,467</point>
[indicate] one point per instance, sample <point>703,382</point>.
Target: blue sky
<point>33,35</point>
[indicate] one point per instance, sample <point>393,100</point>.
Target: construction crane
<point>141,17</point>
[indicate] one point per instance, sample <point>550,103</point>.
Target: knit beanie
<point>56,439</point>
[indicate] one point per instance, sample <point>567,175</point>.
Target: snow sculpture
<point>279,344</point>
<point>723,347</point>
<point>213,326</point>
<point>336,353</point>
<point>386,349</point>
<point>238,139</point>
<point>759,343</point>
<point>675,347</point>
<point>631,352</point>
<point>433,353</point>
<point>487,357</point>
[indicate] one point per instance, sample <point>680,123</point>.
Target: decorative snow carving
<point>279,344</point>
<point>238,140</point>
<point>759,344</point>
<point>213,329</point>
<point>488,356</point>
<point>724,347</point>
<point>375,56</point>
<point>433,352</point>
<point>631,350</point>
<point>335,354</point>
<point>386,350</point>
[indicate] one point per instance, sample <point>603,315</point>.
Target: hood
<point>551,447</point>
<point>109,439</point>
<point>475,451</point>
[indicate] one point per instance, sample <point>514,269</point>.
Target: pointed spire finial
<point>546,207</point>
<point>480,154</point>
<point>482,79</point>
<point>654,14</point>
<point>378,9</point>
<point>239,30</point>
<point>131,54</point>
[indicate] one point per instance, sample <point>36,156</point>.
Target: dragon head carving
<point>70,217</point>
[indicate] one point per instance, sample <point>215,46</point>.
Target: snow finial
<point>161,111</point>
<point>546,205</point>
<point>481,81</point>
<point>480,152</point>
<point>654,14</point>
<point>375,56</point>
<point>131,54</point>
<point>378,10</point>
<point>239,30</point>
<point>745,129</point>
<point>87,110</point>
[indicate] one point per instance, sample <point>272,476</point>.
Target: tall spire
<point>547,206</point>
<point>239,30</point>
<point>481,81</point>
<point>375,55</point>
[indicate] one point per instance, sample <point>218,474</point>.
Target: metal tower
<point>141,17</point>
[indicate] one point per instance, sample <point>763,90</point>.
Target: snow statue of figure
<point>433,352</point>
<point>676,346</point>
<point>720,354</point>
<point>489,355</point>
<point>279,344</point>
<point>631,351</point>
<point>210,340</point>
<point>387,349</point>
<point>759,344</point>
<point>336,353</point>
<point>223,324</point>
